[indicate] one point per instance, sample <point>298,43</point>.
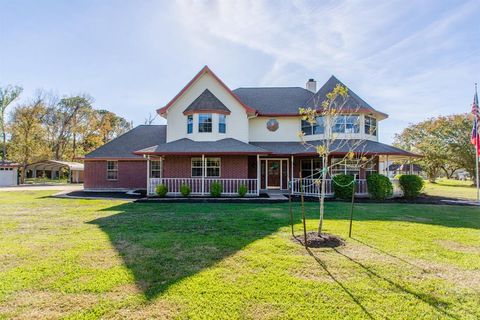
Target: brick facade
<point>235,167</point>
<point>131,175</point>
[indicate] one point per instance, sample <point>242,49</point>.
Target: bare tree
<point>150,119</point>
<point>341,137</point>
<point>7,96</point>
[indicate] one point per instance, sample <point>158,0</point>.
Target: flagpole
<point>478,180</point>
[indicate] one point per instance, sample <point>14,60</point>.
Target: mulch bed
<point>314,241</point>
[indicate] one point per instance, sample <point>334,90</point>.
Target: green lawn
<point>451,189</point>
<point>88,259</point>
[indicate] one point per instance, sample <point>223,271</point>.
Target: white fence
<point>199,186</point>
<point>311,187</point>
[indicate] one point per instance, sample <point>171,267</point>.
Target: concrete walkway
<point>42,187</point>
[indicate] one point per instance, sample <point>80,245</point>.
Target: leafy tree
<point>7,96</point>
<point>444,143</point>
<point>28,143</point>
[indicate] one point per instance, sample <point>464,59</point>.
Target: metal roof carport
<point>75,169</point>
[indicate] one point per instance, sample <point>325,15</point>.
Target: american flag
<point>475,138</point>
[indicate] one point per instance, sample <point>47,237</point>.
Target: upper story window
<point>346,124</point>
<point>205,122</point>
<point>112,170</point>
<point>315,128</point>
<point>190,123</point>
<point>370,126</point>
<point>222,123</point>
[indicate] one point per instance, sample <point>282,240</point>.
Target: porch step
<point>276,195</point>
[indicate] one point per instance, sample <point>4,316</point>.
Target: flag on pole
<point>475,137</point>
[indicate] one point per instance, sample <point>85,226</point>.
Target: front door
<point>274,173</point>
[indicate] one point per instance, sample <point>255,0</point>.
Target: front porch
<point>258,174</point>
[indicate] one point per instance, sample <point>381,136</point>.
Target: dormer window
<point>190,123</point>
<point>370,126</point>
<point>222,123</point>
<point>346,124</point>
<point>205,122</point>
<point>316,128</point>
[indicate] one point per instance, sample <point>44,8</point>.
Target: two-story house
<point>248,136</point>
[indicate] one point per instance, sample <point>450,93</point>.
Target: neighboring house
<point>248,136</point>
<point>8,173</point>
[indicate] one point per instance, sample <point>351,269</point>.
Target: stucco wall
<point>289,127</point>
<point>131,175</point>
<point>236,122</point>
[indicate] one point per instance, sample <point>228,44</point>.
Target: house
<point>248,136</point>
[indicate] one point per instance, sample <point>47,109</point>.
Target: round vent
<point>272,125</point>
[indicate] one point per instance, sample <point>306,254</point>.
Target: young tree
<point>334,112</point>
<point>7,96</point>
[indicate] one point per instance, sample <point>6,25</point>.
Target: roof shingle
<point>206,101</point>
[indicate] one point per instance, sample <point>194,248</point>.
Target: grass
<point>451,189</point>
<point>89,259</point>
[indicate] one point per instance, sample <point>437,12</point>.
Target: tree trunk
<point>4,154</point>
<point>322,195</point>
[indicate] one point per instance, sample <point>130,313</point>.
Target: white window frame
<point>343,121</point>
<point>369,123</point>
<point>311,165</point>
<point>304,124</point>
<point>210,115</point>
<point>204,166</point>
<point>154,168</point>
<point>190,123</point>
<point>344,166</point>
<point>222,120</point>
<point>114,170</point>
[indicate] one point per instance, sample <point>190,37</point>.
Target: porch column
<point>387,170</point>
<point>291,171</point>
<point>203,173</point>
<point>411,165</point>
<point>258,174</point>
<point>148,175</point>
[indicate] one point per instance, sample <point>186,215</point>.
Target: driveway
<point>39,187</point>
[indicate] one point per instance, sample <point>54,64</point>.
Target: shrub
<point>411,185</point>
<point>379,186</point>
<point>185,190</point>
<point>215,189</point>
<point>161,190</point>
<point>342,186</point>
<point>242,190</point>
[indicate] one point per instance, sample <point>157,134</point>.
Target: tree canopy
<point>443,141</point>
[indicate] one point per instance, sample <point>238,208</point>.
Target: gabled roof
<point>190,147</point>
<point>353,103</point>
<point>204,70</point>
<point>274,101</point>
<point>138,138</point>
<point>207,101</point>
<point>367,147</point>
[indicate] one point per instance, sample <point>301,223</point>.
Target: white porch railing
<point>311,187</point>
<point>199,186</point>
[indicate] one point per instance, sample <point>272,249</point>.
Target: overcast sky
<point>410,59</point>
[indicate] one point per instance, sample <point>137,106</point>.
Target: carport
<point>52,169</point>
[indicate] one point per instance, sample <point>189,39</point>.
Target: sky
<point>410,59</point>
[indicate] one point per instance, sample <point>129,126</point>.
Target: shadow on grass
<point>163,244</point>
